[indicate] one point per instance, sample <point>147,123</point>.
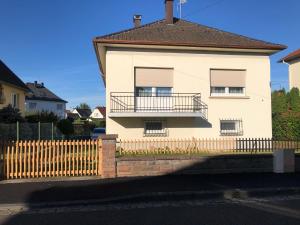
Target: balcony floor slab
<point>154,114</point>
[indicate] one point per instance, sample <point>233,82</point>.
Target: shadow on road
<point>136,189</point>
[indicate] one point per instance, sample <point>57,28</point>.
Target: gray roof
<point>40,92</point>
<point>85,113</point>
<point>9,77</point>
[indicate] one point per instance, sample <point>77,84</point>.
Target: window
<point>163,91</point>
<point>227,82</point>
<point>236,90</point>
<point>32,105</point>
<point>231,127</point>
<point>2,99</point>
<point>143,91</point>
<point>59,106</point>
<point>155,128</point>
<point>15,100</point>
<point>227,91</point>
<point>153,91</point>
<point>216,90</point>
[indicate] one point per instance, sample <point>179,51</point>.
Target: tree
<point>293,98</point>
<point>66,127</point>
<point>279,101</point>
<point>10,115</point>
<point>83,106</point>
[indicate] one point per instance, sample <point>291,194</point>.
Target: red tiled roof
<point>291,56</point>
<point>185,33</point>
<point>102,110</point>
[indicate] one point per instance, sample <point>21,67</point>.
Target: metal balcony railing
<point>129,102</point>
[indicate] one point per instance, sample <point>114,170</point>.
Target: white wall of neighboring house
<point>56,107</point>
<point>192,75</point>
<point>96,114</point>
<point>294,74</point>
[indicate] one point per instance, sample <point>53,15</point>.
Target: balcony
<point>130,104</point>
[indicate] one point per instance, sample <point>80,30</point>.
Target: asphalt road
<point>41,192</point>
<point>272,211</point>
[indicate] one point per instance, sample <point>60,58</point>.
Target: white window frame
<point>2,98</point>
<point>155,133</point>
<point>238,131</point>
<point>15,98</point>
<point>154,91</point>
<point>227,92</point>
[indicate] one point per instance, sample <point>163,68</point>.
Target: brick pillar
<point>108,156</point>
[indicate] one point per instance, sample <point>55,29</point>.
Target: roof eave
<point>99,61</point>
<point>142,42</point>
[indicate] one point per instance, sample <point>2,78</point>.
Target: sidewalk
<point>39,194</point>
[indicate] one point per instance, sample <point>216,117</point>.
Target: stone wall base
<point>134,166</point>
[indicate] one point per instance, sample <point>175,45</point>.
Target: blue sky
<point>51,40</point>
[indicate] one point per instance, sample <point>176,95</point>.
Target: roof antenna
<point>181,2</point>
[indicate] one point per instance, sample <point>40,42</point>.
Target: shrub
<point>279,101</point>
<point>10,115</point>
<point>293,99</point>
<point>43,117</point>
<point>66,127</point>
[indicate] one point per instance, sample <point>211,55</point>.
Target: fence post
<point>18,131</point>
<point>52,132</point>
<point>108,156</point>
<point>39,128</point>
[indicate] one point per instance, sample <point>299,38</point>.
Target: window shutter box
<point>227,78</point>
<point>153,77</point>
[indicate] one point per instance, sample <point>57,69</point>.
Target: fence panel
<point>33,159</point>
<point>204,146</point>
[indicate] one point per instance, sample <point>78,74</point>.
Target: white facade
<point>294,74</point>
<point>251,111</point>
<point>34,106</point>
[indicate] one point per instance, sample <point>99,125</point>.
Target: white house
<point>293,61</point>
<point>99,113</point>
<point>179,79</point>
<point>42,99</point>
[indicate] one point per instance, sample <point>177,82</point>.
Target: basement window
<point>231,127</point>
<point>155,128</point>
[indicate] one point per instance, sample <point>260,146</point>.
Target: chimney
<point>137,20</point>
<point>169,11</point>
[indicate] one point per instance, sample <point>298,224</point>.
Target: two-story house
<point>178,79</point>
<point>293,61</point>
<point>42,99</point>
<point>12,89</point>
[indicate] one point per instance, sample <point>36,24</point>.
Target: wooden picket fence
<point>33,159</point>
<point>204,146</point>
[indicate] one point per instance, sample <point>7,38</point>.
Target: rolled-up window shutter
<point>153,77</point>
<point>227,78</point>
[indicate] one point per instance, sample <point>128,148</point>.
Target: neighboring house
<point>71,116</point>
<point>178,79</point>
<point>12,89</point>
<point>293,60</point>
<point>99,113</point>
<point>42,99</point>
<point>83,114</point>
